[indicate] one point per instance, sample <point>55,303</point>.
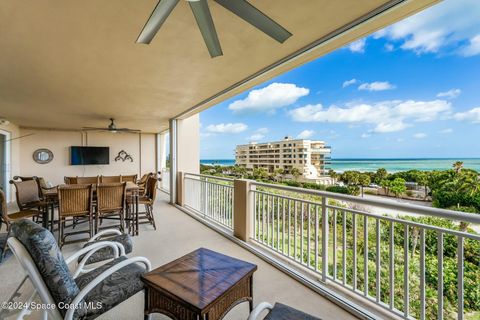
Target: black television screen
<point>89,155</point>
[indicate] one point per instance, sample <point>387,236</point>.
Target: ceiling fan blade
<point>127,130</point>
<point>207,28</point>
<point>255,17</point>
<point>92,128</point>
<point>157,18</point>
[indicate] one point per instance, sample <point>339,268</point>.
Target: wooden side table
<point>203,284</point>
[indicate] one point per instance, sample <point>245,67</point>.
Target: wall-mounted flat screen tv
<point>89,155</point>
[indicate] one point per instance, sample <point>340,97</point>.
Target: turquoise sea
<point>392,165</point>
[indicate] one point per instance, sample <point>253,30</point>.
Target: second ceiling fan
<point>201,11</point>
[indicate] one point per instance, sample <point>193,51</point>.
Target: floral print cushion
<point>43,249</point>
<point>115,289</point>
<point>284,312</point>
<point>107,253</point>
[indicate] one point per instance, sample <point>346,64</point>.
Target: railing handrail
<point>209,176</point>
<point>404,207</point>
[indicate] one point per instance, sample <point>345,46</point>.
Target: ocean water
<point>391,165</point>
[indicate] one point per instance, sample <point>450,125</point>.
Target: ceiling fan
<point>201,11</point>
<point>111,128</point>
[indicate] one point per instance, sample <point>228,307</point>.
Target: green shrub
<point>338,189</point>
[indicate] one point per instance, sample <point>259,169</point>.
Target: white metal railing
<point>408,266</point>
<point>211,197</point>
<point>165,183</point>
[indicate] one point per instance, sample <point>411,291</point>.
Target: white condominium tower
<point>309,156</point>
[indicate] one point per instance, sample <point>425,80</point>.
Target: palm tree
<point>363,180</point>
<point>279,172</point>
<point>295,172</point>
<point>458,166</point>
<point>470,183</point>
<point>333,174</point>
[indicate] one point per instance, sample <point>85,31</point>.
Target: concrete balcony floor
<point>178,234</point>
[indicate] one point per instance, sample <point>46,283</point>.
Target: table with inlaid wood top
<point>203,284</point>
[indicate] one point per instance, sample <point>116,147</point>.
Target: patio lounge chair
<point>108,285</point>
<point>279,312</point>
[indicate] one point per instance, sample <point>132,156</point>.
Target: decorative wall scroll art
<point>124,156</point>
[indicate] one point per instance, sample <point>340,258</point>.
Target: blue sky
<point>411,90</point>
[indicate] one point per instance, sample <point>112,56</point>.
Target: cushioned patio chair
<point>148,200</point>
<point>111,203</point>
<point>129,178</point>
<point>75,203</point>
<point>103,287</point>
<point>87,180</point>
<point>110,179</point>
<point>8,218</point>
<point>279,312</point>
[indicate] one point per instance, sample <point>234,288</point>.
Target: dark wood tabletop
<point>201,281</point>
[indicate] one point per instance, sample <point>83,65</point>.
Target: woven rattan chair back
<point>151,188</point>
<point>144,178</point>
<point>110,179</point>
<point>75,200</point>
<point>26,192</point>
<point>87,180</point>
<point>70,180</point>
<point>130,178</point>
<point>111,197</point>
<point>3,208</point>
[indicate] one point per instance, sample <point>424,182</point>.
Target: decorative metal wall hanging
<point>124,156</point>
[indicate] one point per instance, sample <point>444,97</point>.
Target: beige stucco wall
<point>188,144</point>
<point>12,165</point>
<point>59,143</point>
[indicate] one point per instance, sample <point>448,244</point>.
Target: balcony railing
<point>210,197</point>
<point>165,183</point>
<point>407,263</point>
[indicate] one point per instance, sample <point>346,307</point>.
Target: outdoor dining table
<point>133,191</point>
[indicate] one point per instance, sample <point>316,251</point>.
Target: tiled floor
<point>178,234</point>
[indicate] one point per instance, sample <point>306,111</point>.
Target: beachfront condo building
<point>310,157</point>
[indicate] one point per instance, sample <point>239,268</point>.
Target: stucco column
<point>162,150</point>
<point>184,150</point>
<point>188,144</point>
<point>244,210</point>
<point>180,189</point>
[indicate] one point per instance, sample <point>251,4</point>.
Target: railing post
<point>324,239</point>
<point>242,209</point>
<point>180,188</point>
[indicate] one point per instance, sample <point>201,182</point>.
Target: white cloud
<point>419,135</point>
<point>256,137</point>
<point>472,115</point>
<point>389,47</point>
<point>385,116</point>
<point>358,46</point>
<point>447,25</point>
<point>366,135</point>
<point>450,94</point>
<point>349,83</point>
<point>473,47</point>
<point>258,134</point>
<point>376,86</point>
<point>269,98</point>
<point>262,130</point>
<point>446,131</point>
<point>305,134</point>
<point>227,128</point>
